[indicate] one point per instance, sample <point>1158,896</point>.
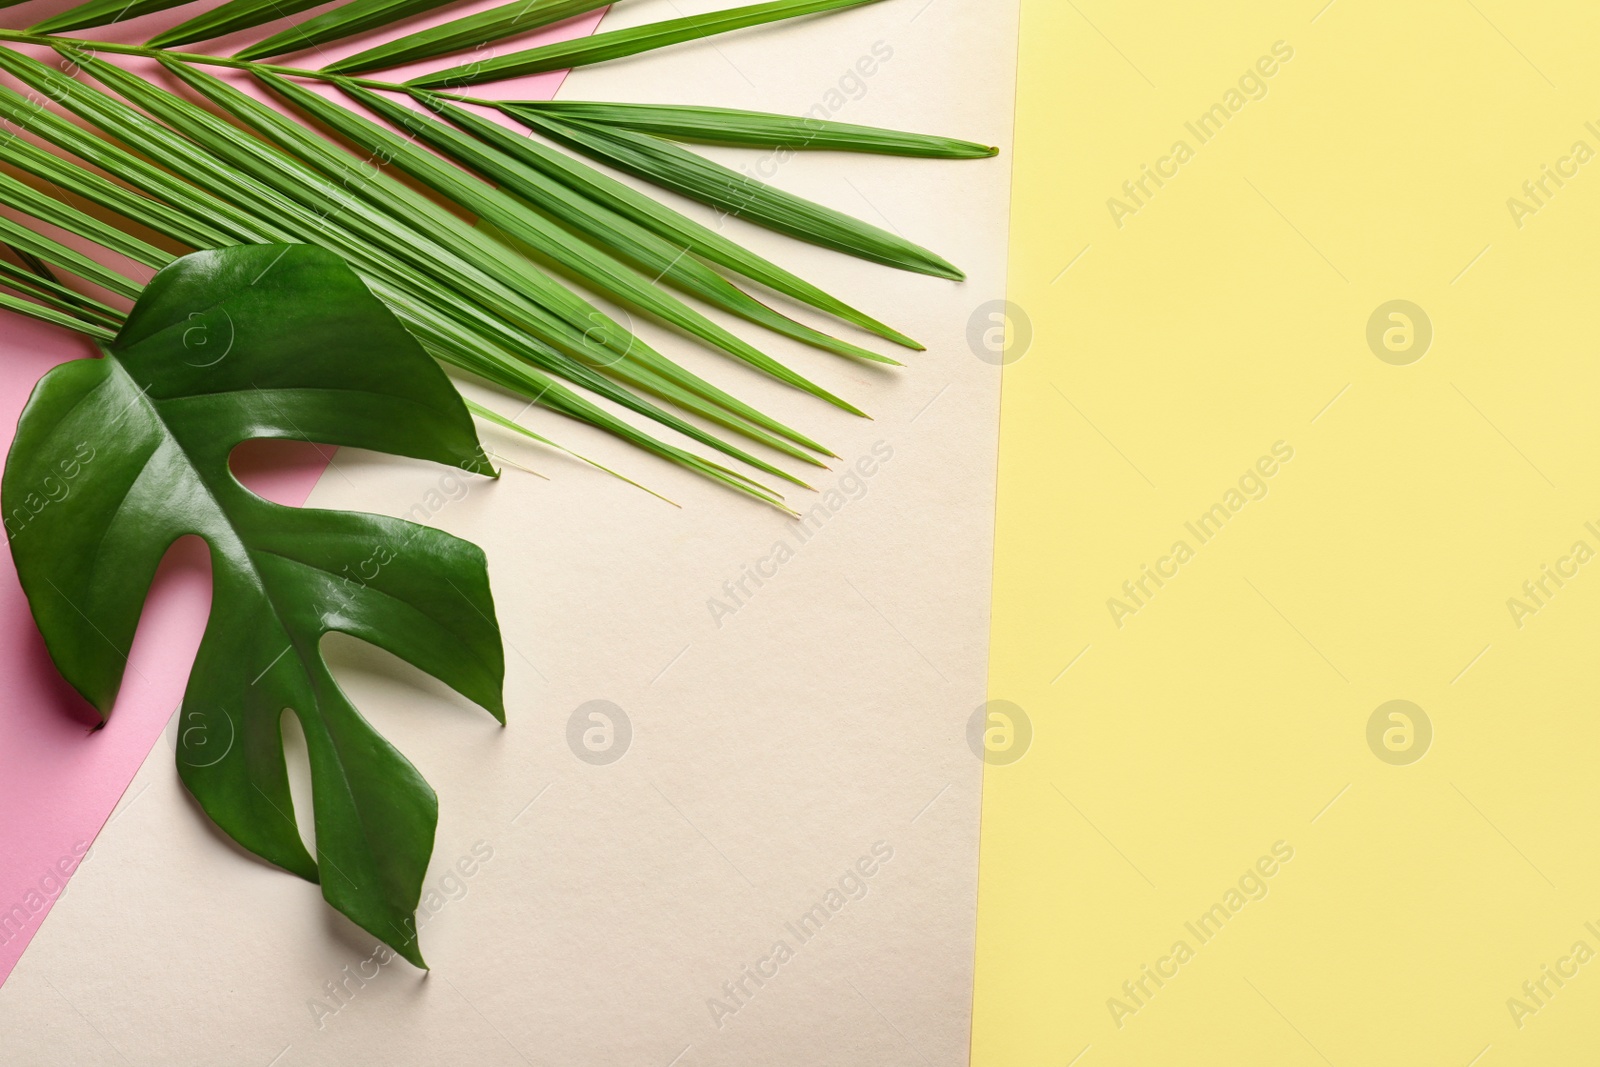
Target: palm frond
<point>453,326</point>
<point>605,227</point>
<point>231,17</point>
<point>68,259</point>
<point>235,167</point>
<point>599,269</point>
<point>55,316</point>
<point>759,129</point>
<point>492,299</point>
<point>30,201</point>
<point>486,27</point>
<point>102,13</point>
<point>346,20</point>
<point>36,280</point>
<point>674,167</point>
<point>660,219</point>
<point>618,44</point>
<point>40,294</point>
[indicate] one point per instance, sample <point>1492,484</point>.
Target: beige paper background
<point>769,753</point>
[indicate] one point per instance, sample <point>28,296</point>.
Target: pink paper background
<point>60,777</point>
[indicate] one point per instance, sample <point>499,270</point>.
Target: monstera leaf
<point>116,458</point>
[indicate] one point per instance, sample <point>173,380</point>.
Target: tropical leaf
<point>226,346</point>
<point>486,27</point>
<point>461,258</point>
<point>48,209</point>
<point>346,20</point>
<point>458,312</point>
<point>606,228</point>
<point>102,13</point>
<point>759,129</point>
<point>40,294</point>
<point>723,253</point>
<point>74,262</point>
<point>617,44</point>
<point>37,281</point>
<point>655,216</point>
<point>732,193</point>
<point>63,174</point>
<point>589,261</point>
<point>229,18</point>
<point>56,314</point>
<point>474,296</point>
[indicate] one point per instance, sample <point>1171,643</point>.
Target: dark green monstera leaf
<point>262,341</point>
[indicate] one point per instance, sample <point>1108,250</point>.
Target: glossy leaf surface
<point>263,341</point>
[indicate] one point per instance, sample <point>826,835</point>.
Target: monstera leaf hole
<point>236,344</point>
<point>281,471</point>
<point>297,760</point>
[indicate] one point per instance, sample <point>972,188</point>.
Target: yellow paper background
<point>1170,353</point>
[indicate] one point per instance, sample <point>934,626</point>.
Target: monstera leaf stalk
<point>264,341</point>
<point>203,165</point>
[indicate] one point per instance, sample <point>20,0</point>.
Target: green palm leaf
<point>41,294</point>
<point>46,288</point>
<point>48,209</point>
<point>759,129</point>
<point>739,195</point>
<point>268,192</point>
<point>61,173</point>
<point>486,27</point>
<point>619,43</point>
<point>669,224</point>
<point>346,20</point>
<point>208,220</point>
<point>229,18</point>
<point>590,216</point>
<point>56,314</point>
<point>610,276</point>
<point>474,296</point>
<point>462,258</point>
<point>102,13</point>
<point>68,259</point>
